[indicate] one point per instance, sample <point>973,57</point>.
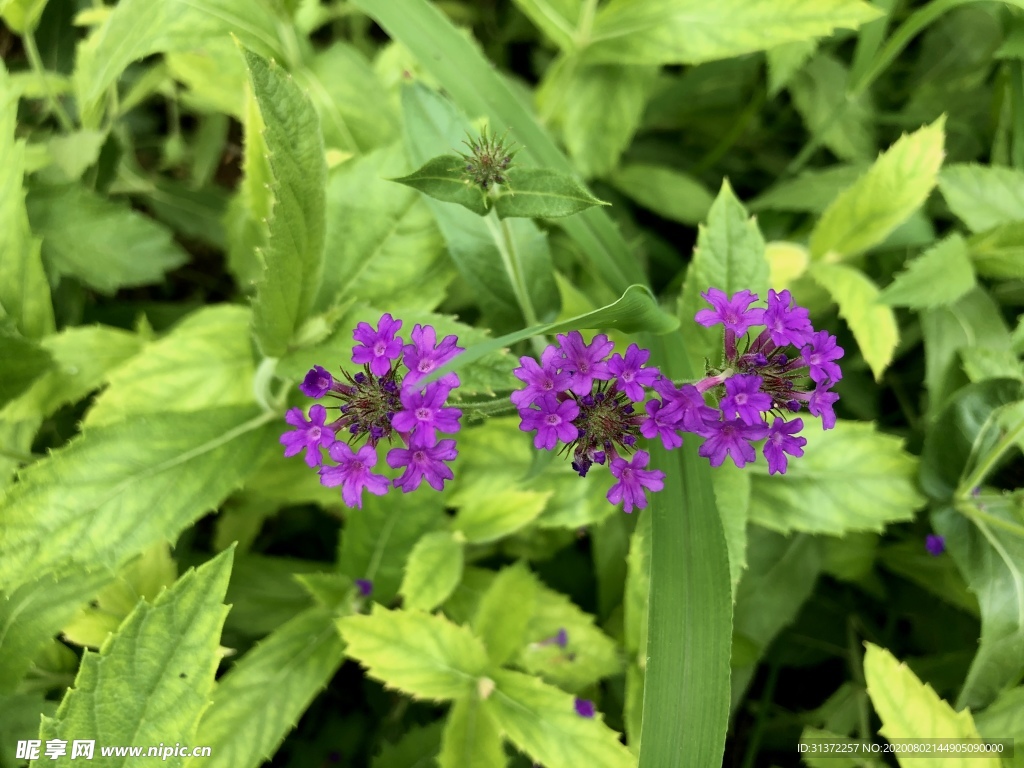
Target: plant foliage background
<point>196,207</point>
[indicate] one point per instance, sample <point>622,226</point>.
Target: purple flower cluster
<point>382,400</point>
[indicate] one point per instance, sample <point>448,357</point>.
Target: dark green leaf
<point>537,193</point>
<point>24,362</point>
<point>667,192</point>
<point>443,178</point>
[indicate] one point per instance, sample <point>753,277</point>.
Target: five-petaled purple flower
<point>633,478</point>
<point>585,363</point>
<point>552,422</point>
<point>781,440</point>
<point>732,311</point>
<point>377,348</point>
<point>311,435</point>
<point>422,356</point>
<point>629,375</point>
<point>353,473</point>
<point>423,461</point>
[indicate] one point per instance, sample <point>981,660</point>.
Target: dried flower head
<point>488,160</point>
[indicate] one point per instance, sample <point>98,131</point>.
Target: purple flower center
<point>424,414</point>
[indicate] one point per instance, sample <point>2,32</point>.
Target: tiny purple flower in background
<point>316,383</point>
<point>423,461</point>
<point>365,587</point>
<point>422,356</point>
<point>633,479</point>
<point>935,544</point>
<point>584,708</point>
<point>744,398</point>
<point>732,438</point>
<point>631,377</point>
<point>553,421</point>
<point>311,435</point>
<point>585,363</point>
<point>781,441</point>
<point>377,348</point>
<point>561,639</point>
<point>353,473</point>
<point>731,311</point>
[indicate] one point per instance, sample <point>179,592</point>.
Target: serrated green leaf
<point>983,196</point>
<point>106,245</point>
<point>332,591</point>
<point>540,193</point>
<point>910,709</point>
<point>873,324</point>
<point>850,478</point>
<point>118,489</point>
<point>433,570</point>
<point>443,178</point>
<point>940,275</point>
<point>213,73</point>
<point>785,60</point>
<point>691,32</point>
<point>378,538</point>
<point>24,362</point>
<point>294,255</point>
<point>421,654</point>
<point>482,518</point>
<point>843,123</point>
<point>74,152</point>
<point>503,615</point>
<point>471,737</point>
<point>895,186</point>
<point>999,252</point>
<point>24,291</point>
<point>417,748</point>
<point>729,256</point>
<point>541,721</point>
<point>669,193</point>
<point>265,594</point>
<point>262,696</point>
<point>149,683</point>
<point>205,361</point>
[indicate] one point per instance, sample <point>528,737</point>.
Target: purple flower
<point>584,707</point>
<point>780,442</point>
<point>935,544</point>
<point>365,587</point>
<point>821,403</point>
<point>377,348</point>
<point>423,461</point>
<point>317,382</point>
<point>540,378</point>
<point>662,422</point>
<point>786,323</point>
<point>633,479</point>
<point>732,437</point>
<point>687,404</point>
<point>732,311</point>
<point>422,356</point>
<point>744,398</point>
<point>311,435</point>
<point>818,356</point>
<point>585,363</point>
<point>353,473</point>
<point>553,421</point>
<point>630,377</point>
<point>425,413</point>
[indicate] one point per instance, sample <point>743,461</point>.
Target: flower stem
<point>985,465</point>
<point>513,267</point>
<point>36,61</point>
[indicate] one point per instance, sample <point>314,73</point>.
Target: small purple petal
<point>935,544</point>
<point>422,356</point>
<point>365,587</point>
<point>744,398</point>
<point>819,355</point>
<point>552,420</point>
<point>584,707</point>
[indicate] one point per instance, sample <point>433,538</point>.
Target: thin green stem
<point>856,660</point>
<point>37,66</point>
<point>985,465</point>
<point>979,516</point>
<point>514,269</point>
<point>754,744</point>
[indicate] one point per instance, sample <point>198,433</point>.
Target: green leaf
<point>214,75</point>
<point>294,255</point>
<point>265,592</point>
<point>999,252</point>
<point>378,538</point>
<point>386,250</point>
<point>691,32</point>
<point>938,575</point>
<point>983,196</point>
<point>443,178</point>
<point>1004,718</point>
<point>417,748</point>
<point>22,15</point>
<point>841,123</point>
<point>812,191</point>
<point>504,613</point>
<point>74,152</point>
<point>424,655</point>
<point>873,324</point>
<point>940,275</point>
<point>541,721</point>
<point>895,186</point>
<point>433,570</point>
<point>910,709</point>
<point>205,361</point>
<point>471,737</point>
<point>119,489</point>
<point>536,193</point>
<point>785,60</point>
<point>150,682</point>
<point>24,362</point>
<point>262,696</point>
<point>482,517</point>
<point>105,245</point>
<point>135,29</point>
<point>24,291</point>
<point>990,559</point>
<point>669,193</point>
<point>732,492</point>
<point>729,256</point>
<point>638,587</point>
<point>556,18</point>
<point>850,478</point>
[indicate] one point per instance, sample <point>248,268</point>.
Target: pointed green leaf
<point>424,655</point>
<point>542,721</point>
<point>729,256</point>
<point>443,178</point>
<point>119,489</point>
<point>556,18</point>
<point>691,31</point>
<point>873,324</point>
<point>104,244</point>
<point>24,362</point>
<point>417,748</point>
<point>732,492</point>
<point>940,275</point>
<point>262,696</point>
<point>983,196</point>
<point>150,682</point>
<point>999,252</point>
<point>669,193</point>
<point>812,191</point>
<point>910,709</point>
<point>895,186</point>
<point>504,613</point>
<point>482,517</point>
<point>638,586</point>
<point>294,254</point>
<point>785,60</point>
<point>539,193</point>
<point>434,569</point>
<point>843,123</point>
<point>471,737</point>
